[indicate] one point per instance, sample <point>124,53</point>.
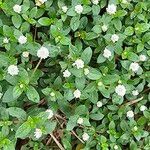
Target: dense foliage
<point>74,74</point>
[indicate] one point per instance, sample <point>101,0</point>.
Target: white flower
<point>78,9</point>
<point>79,63</point>
<point>135,92</point>
<point>77,93</point>
<point>37,133</point>
<point>111,9</point>
<point>43,53</point>
<point>143,108</point>
<point>17,8</point>
<point>120,90</point>
<point>114,38</point>
<point>95,2</point>
<point>104,28</point>
<point>64,9</point>
<point>135,128</point>
<point>124,1</point>
<point>5,40</point>
<point>40,2</point>
<point>107,53</point>
<point>22,39</point>
<point>25,54</point>
<point>50,113</point>
<point>99,104</point>
<point>85,137</point>
<point>52,94</point>
<point>134,67</point>
<point>80,121</point>
<point>130,114</point>
<point>142,57</point>
<point>1,94</point>
<point>13,70</point>
<point>66,73</point>
<point>86,71</point>
<point>21,86</point>
<point>116,147</point>
<point>100,83</point>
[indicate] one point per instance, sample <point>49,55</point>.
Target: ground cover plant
<point>74,74</point>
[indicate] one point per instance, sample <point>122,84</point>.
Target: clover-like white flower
<point>40,2</point>
<point>5,40</point>
<point>52,94</point>
<point>77,93</point>
<point>134,67</point>
<point>114,38</point>
<point>22,39</point>
<point>17,8</point>
<point>104,28</point>
<point>130,114</point>
<point>64,9</point>
<point>43,53</point>
<point>99,104</point>
<point>86,71</point>
<point>116,147</point>
<point>25,54</point>
<point>107,53</point>
<point>95,2</point>
<point>80,121</point>
<point>85,136</point>
<point>111,9</point>
<point>21,86</point>
<point>79,63</point>
<point>124,1</point>
<point>135,92</point>
<point>142,57</point>
<point>66,73</point>
<point>13,70</point>
<point>78,9</point>
<point>135,128</point>
<point>38,133</point>
<point>143,108</point>
<point>50,113</point>
<point>120,90</point>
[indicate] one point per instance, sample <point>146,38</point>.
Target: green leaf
<point>129,31</point>
<point>72,122</point>
<point>17,21</point>
<point>86,55</point>
<point>17,112</point>
<point>98,116</point>
<point>32,94</point>
<point>74,23</point>
<point>17,91</point>
<point>94,74</point>
<point>100,59</point>
<point>45,21</point>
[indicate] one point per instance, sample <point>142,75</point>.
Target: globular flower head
<point>25,54</point>
<point>5,40</point>
<point>43,53</point>
<point>64,9</point>
<point>22,39</point>
<point>107,53</point>
<point>114,38</point>
<point>38,133</point>
<point>142,57</point>
<point>86,71</point>
<point>135,92</point>
<point>50,113</point>
<point>77,93</point>
<point>80,121</point>
<point>85,136</point>
<point>130,114</point>
<point>17,8</point>
<point>40,2</point>
<point>95,2</point>
<point>13,70</point>
<point>79,63</point>
<point>104,28</point>
<point>99,104</point>
<point>116,147</point>
<point>66,73</point>
<point>134,67</point>
<point>111,9</point>
<point>143,108</point>
<point>120,90</point>
<point>78,9</point>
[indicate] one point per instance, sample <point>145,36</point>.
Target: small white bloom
<point>40,2</point>
<point>124,1</point>
<point>77,93</point>
<point>86,71</point>
<point>100,83</point>
<point>43,53</point>
<point>25,54</point>
<point>104,28</point>
<point>114,38</point>
<point>130,114</point>
<point>135,128</point>
<point>17,8</point>
<point>22,39</point>
<point>64,9</point>
<point>37,133</point>
<point>5,40</point>
<point>119,81</point>
<point>52,94</point>
<point>13,70</point>
<point>135,92</point>
<point>99,104</point>
<point>85,137</point>
<point>50,113</point>
<point>79,9</point>
<point>111,9</point>
<point>143,108</point>
<point>120,90</point>
<point>95,2</point>
<point>142,57</point>
<point>1,94</point>
<point>66,73</point>
<point>80,121</point>
<point>79,63</point>
<point>21,86</point>
<point>116,147</point>
<point>134,67</point>
<point>107,53</point>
